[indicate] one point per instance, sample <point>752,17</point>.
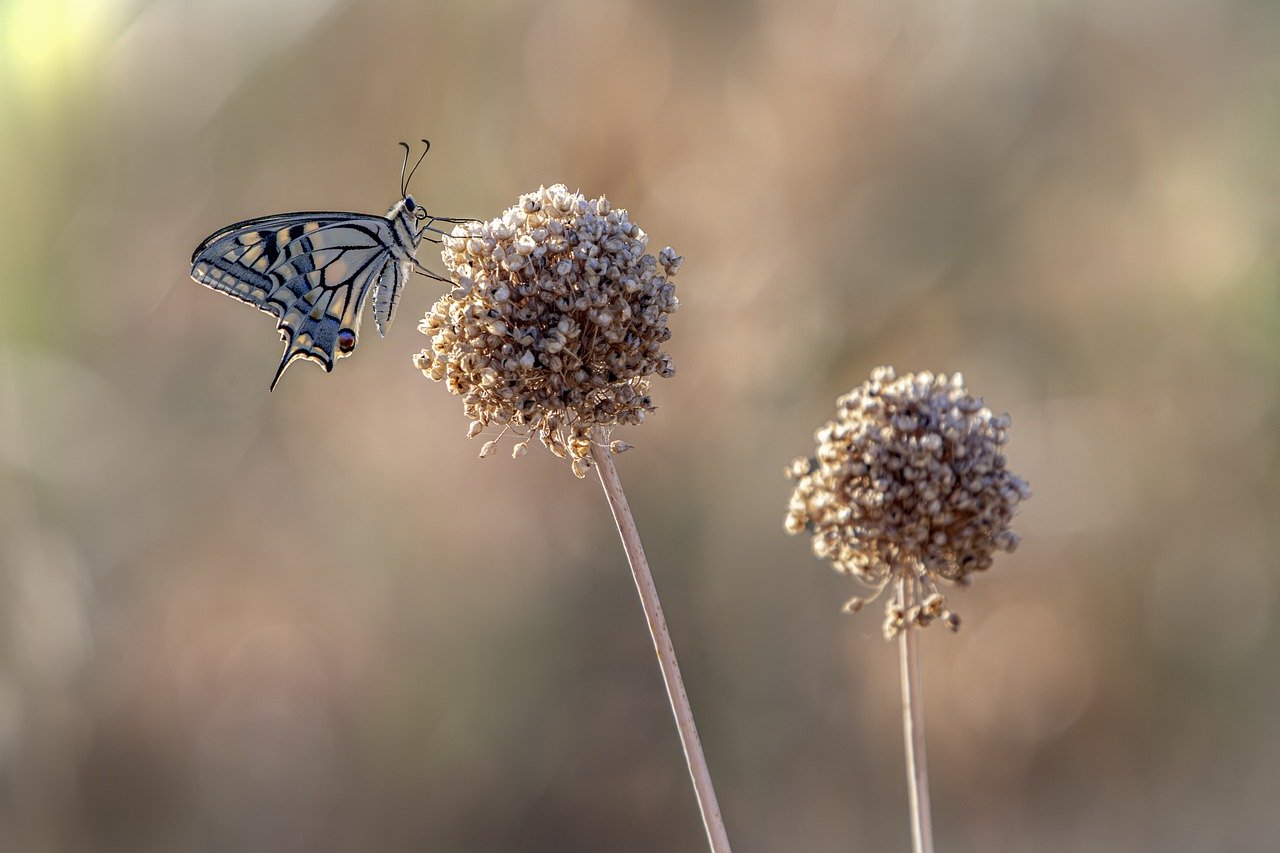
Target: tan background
<point>314,621</point>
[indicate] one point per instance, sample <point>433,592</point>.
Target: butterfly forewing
<point>311,271</point>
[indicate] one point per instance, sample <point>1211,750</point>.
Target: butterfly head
<point>409,215</point>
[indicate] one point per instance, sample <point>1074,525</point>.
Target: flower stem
<point>913,727</point>
<point>702,786</point>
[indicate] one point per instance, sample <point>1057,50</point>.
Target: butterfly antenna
<point>403,166</point>
<point>426,142</point>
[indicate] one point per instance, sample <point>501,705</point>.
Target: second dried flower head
<point>555,323</point>
<point>908,481</point>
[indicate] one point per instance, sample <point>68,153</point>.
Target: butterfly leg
<point>452,220</point>
<point>440,231</point>
<point>421,270</point>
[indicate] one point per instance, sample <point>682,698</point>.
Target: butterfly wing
<point>311,271</point>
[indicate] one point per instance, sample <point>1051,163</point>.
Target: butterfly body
<point>313,271</point>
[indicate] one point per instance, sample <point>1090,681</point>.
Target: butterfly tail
<point>285,361</point>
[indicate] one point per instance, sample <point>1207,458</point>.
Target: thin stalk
<point>693,756</point>
<point>913,728</point>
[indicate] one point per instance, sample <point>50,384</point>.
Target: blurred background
<point>313,620</point>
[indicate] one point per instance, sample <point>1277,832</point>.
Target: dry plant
<point>553,327</point>
<point>908,488</point>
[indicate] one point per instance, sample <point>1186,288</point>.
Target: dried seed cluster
<point>908,481</point>
<point>555,322</point>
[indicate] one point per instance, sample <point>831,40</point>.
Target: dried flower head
<point>555,322</point>
<point>908,481</point>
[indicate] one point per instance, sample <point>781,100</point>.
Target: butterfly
<point>313,271</point>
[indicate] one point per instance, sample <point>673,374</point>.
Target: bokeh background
<point>314,621</point>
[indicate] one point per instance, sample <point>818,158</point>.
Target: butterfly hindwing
<point>311,271</point>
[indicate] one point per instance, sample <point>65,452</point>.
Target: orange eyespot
<point>346,340</point>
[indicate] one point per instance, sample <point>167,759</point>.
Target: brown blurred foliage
<point>312,620</point>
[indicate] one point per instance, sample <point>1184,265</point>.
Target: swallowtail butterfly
<point>312,271</point>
